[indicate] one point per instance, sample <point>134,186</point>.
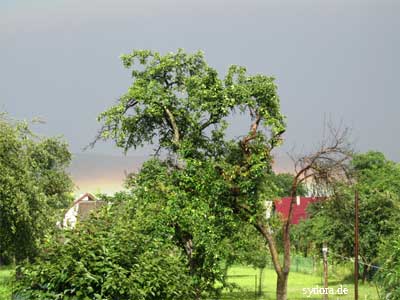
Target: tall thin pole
<point>356,209</point>
<point>325,260</point>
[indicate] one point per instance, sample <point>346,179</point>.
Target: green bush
<point>34,188</point>
<point>106,257</point>
<point>389,273</point>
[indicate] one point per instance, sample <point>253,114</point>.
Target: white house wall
<point>70,217</point>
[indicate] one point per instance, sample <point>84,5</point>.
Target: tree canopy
<point>33,187</point>
<point>180,103</point>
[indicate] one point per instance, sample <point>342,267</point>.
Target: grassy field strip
<point>297,281</point>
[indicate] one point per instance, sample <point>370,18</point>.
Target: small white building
<point>80,209</point>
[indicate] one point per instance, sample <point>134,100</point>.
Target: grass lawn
<point>5,287</point>
<point>297,281</point>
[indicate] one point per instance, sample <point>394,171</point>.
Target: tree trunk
<point>281,286</point>
<point>282,271</point>
<point>260,282</point>
<point>365,273</point>
<point>186,242</point>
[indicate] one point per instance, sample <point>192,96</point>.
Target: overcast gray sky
<point>59,59</point>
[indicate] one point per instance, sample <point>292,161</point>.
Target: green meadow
<point>297,282</point>
<point>246,280</point>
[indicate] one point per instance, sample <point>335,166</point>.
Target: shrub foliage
<point>106,257</point>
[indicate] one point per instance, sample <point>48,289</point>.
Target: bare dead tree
<point>327,164</point>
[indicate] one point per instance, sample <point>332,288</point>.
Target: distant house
<point>299,208</point>
<point>80,209</point>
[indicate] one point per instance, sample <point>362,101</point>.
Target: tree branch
<point>265,232</point>
<point>174,126</point>
<point>253,131</point>
<point>209,122</point>
<point>324,165</point>
<point>131,103</point>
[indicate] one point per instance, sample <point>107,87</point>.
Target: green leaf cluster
<point>181,206</point>
<point>34,187</point>
<point>108,256</point>
<point>389,273</point>
<point>178,102</point>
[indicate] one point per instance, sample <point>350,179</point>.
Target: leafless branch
<point>323,166</point>
<point>110,127</point>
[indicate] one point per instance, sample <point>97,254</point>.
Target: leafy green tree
<point>377,180</point>
<point>34,187</point>
<point>179,205</point>
<point>179,103</point>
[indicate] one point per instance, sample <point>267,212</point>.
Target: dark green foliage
<point>248,248</point>
<point>389,274</point>
<point>179,205</point>
<point>106,257</point>
<point>33,188</point>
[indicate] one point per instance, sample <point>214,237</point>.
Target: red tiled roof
<point>299,211</point>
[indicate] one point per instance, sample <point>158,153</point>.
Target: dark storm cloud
<point>59,59</point>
